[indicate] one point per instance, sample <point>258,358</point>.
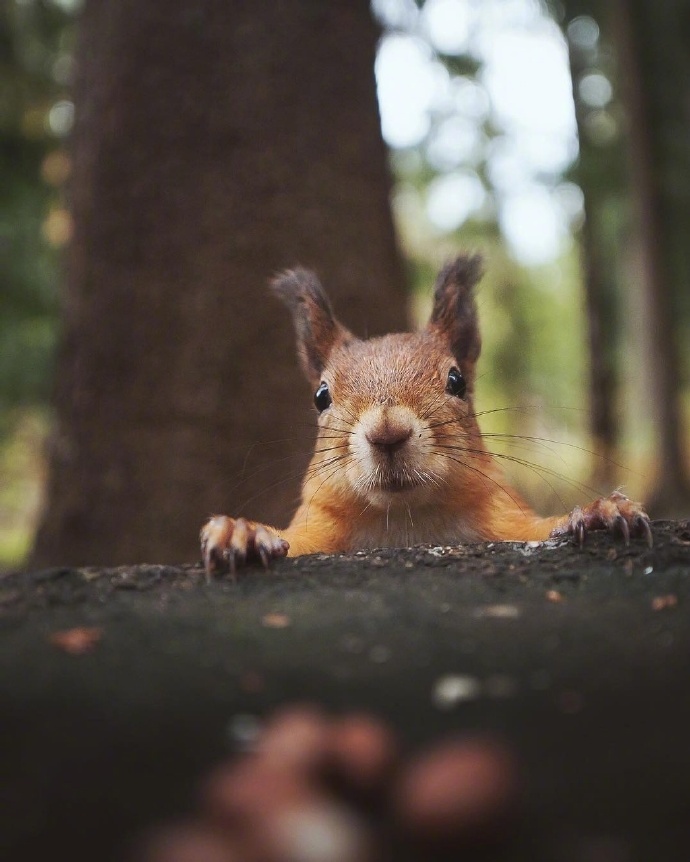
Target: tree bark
<point>215,143</point>
<point>655,69</point>
<point>594,176</point>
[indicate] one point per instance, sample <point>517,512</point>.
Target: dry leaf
<point>76,641</point>
<point>660,603</point>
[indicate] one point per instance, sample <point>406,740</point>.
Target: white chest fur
<point>402,527</point>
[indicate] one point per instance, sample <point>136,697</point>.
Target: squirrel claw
<point>620,525</point>
<point>616,513</point>
<point>577,525</point>
<point>230,543</point>
<point>642,527</point>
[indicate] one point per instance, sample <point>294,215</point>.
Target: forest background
<point>553,137</point>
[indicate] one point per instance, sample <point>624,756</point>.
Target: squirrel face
<point>396,417</point>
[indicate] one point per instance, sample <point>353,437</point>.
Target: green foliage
<point>34,59</point>
<point>35,63</point>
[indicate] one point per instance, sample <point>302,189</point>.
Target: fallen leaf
<point>275,621</point>
<point>660,603</point>
<point>76,641</point>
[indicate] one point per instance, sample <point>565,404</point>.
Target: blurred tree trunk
<point>215,143</point>
<point>652,40</point>
<point>599,180</point>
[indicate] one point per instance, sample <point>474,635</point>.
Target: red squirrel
<point>399,457</point>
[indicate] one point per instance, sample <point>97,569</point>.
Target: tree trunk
<point>216,142</point>
<point>651,39</point>
<point>599,283</point>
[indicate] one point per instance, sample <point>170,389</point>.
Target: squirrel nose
<point>388,438</point>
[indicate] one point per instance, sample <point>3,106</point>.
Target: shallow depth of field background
<point>502,121</point>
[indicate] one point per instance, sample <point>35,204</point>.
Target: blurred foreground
<point>121,688</point>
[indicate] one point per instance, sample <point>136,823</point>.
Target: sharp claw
<point>643,522</point>
<point>577,522</point>
<point>228,544</point>
<point>619,523</point>
<point>580,533</point>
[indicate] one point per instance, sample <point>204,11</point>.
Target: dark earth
<point>580,658</point>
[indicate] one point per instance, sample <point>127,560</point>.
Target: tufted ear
<point>318,331</point>
<point>454,314</point>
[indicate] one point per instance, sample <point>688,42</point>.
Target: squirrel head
<point>395,412</point>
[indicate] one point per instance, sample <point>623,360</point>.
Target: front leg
<point>227,543</point>
<point>615,513</point>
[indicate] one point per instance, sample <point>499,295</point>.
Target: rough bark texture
<point>215,143</point>
<point>580,658</point>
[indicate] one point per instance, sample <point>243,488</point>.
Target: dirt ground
<point>118,687</point>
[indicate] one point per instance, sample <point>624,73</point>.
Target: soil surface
<point>119,687</point>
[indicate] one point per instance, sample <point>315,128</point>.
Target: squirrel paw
<point>616,513</point>
<point>229,543</point>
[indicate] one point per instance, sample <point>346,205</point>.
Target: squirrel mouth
<point>394,483</point>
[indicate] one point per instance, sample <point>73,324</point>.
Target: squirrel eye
<point>322,397</point>
<point>456,383</point>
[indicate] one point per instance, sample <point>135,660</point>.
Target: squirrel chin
<point>410,494</point>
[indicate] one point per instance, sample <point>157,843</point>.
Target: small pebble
<point>554,596</point>
<point>452,689</point>
<point>243,731</point>
<point>321,832</point>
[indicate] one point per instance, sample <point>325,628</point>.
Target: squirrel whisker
<point>399,455</point>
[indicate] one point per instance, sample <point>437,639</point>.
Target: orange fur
<point>399,457</point>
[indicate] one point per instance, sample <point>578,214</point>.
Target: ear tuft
<point>454,314</point>
<point>316,327</point>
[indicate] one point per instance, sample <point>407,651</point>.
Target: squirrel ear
<point>317,329</point>
<point>454,314</point>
